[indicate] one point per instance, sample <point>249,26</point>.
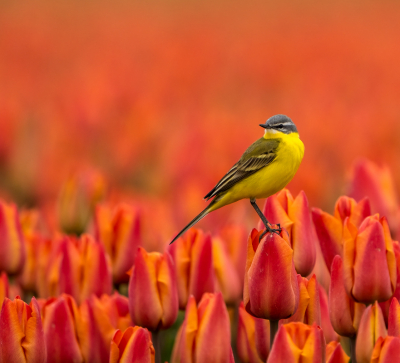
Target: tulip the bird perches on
<point>265,168</point>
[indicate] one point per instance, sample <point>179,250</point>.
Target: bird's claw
<point>268,229</point>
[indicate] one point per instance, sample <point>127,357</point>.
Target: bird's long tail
<point>194,221</point>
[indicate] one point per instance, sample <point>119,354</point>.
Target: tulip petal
<point>386,350</point>
<point>336,354</point>
<point>394,318</point>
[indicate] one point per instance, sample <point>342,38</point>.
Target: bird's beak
<point>264,126</point>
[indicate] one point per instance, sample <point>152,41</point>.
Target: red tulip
<point>12,242</point>
<point>271,290</point>
<point>192,256</point>
<point>394,319</point>
<point>262,328</point>
<point>336,354</point>
<point>205,333</point>
<point>344,312</point>
<point>294,216</point>
<point>4,287</point>
<point>386,350</point>
<point>369,263</point>
<point>372,326</point>
<point>132,346</point>
<point>119,231</point>
<point>21,332</point>
<point>298,342</point>
<point>326,325</point>
<point>153,294</point>
<point>330,228</point>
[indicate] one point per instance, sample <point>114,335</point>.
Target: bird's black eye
<point>279,126</point>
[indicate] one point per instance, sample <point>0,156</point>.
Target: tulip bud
<point>344,312</point>
<point>372,326</point>
<point>153,294</point>
<point>294,216</point>
<point>204,335</point>
<point>330,228</point>
<point>132,346</point>
<point>21,332</point>
<point>394,319</point>
<point>336,354</point>
<point>4,287</point>
<point>246,342</point>
<point>386,350</point>
<point>12,242</point>
<point>192,256</point>
<point>271,290</point>
<point>326,325</point>
<point>298,342</point>
<point>369,263</point>
<point>119,232</point>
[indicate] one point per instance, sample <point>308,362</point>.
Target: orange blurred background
<point>163,97</point>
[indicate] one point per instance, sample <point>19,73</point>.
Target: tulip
<point>12,242</point>
<point>262,337</point>
<point>294,216</point>
<point>336,354</point>
<point>376,182</point>
<point>4,287</point>
<point>369,263</point>
<point>308,311</point>
<point>326,325</point>
<point>246,342</point>
<point>119,231</point>
<point>60,319</point>
<point>394,319</point>
<point>298,342</point>
<point>153,294</point>
<point>21,332</point>
<point>271,290</point>
<point>330,228</point>
<point>372,326</point>
<point>78,196</point>
<point>192,256</point>
<point>386,350</point>
<point>204,335</point>
<point>344,312</point>
<point>132,346</point>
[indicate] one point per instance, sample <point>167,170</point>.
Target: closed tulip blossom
<point>12,242</point>
<point>263,335</point>
<point>372,326</point>
<point>293,214</point>
<point>394,319</point>
<point>386,350</point>
<point>298,342</point>
<point>4,287</point>
<point>326,324</point>
<point>133,345</point>
<point>271,289</point>
<point>153,294</point>
<point>336,354</point>
<point>193,261</point>
<point>204,335</point>
<point>369,263</point>
<point>118,230</point>
<point>21,332</point>
<point>329,228</point>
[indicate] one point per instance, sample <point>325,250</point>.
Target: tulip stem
<point>353,349</point>
<point>273,328</point>
<point>155,335</point>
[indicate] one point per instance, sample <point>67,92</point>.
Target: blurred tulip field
<point>116,118</point>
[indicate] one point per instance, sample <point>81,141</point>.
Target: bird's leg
<point>266,223</point>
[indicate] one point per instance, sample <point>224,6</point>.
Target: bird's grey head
<point>280,123</point>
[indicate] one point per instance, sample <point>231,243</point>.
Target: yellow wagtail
<point>265,168</point>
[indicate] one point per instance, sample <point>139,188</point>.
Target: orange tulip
<point>119,231</point>
<point>192,255</point>
<point>60,319</point>
<point>153,294</point>
<point>271,290</point>
<point>344,312</point>
<point>4,287</point>
<point>132,346</point>
<point>376,183</point>
<point>386,350</point>
<point>298,342</point>
<point>336,354</point>
<point>330,228</point>
<point>369,263</point>
<point>294,216</point>
<point>204,336</point>
<point>12,242</point>
<point>372,326</point>
<point>246,340</point>
<point>21,332</point>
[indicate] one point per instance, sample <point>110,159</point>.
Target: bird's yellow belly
<point>271,178</point>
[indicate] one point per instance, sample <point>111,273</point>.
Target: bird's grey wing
<point>260,154</point>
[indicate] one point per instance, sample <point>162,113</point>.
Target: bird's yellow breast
<point>271,178</point>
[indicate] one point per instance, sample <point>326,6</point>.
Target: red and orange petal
<point>386,350</point>
<point>335,353</point>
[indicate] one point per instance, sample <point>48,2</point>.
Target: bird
<point>265,168</point>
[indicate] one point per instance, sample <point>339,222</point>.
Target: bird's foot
<point>269,229</point>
